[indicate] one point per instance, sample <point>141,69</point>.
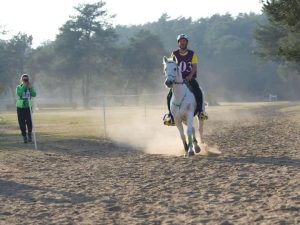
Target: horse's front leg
<point>190,134</point>
<point>195,142</point>
<point>181,131</point>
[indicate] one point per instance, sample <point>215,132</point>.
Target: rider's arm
<point>194,67</point>
<point>32,91</point>
<point>194,70</point>
<point>20,90</point>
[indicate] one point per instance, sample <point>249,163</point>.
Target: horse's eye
<point>174,69</point>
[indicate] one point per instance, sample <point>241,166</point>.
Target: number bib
<point>184,62</point>
<point>26,95</point>
<point>185,67</point>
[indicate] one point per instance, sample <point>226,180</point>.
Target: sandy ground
<point>255,181</point>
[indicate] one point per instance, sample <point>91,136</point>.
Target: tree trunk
<point>83,90</point>
<point>87,90</point>
<point>70,91</point>
<point>13,92</point>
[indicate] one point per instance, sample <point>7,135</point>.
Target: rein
<point>180,104</point>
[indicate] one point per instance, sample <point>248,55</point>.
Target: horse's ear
<point>175,59</point>
<point>165,59</point>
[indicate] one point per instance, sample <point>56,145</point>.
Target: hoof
<point>190,153</point>
<point>197,149</point>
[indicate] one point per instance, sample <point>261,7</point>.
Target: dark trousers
<point>24,119</point>
<point>196,90</point>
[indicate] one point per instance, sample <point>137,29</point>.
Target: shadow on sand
<point>28,193</point>
<point>80,146</point>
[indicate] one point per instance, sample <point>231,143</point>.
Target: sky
<point>42,18</point>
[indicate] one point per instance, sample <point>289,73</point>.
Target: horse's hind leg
<point>194,135</point>
<point>201,128</point>
<point>195,142</point>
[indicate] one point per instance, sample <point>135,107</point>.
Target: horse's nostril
<point>168,83</point>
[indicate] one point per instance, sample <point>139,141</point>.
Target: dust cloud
<point>145,130</point>
<point>150,135</point>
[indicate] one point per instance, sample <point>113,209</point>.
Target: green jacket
<point>24,96</point>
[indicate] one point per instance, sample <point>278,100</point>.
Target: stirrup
<point>168,120</point>
<point>203,116</point>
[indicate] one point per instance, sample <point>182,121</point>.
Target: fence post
<point>104,117</point>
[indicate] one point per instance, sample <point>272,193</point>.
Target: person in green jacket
<point>25,91</point>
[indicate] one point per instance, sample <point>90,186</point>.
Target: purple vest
<point>185,62</point>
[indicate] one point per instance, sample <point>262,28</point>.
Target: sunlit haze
<point>42,18</point>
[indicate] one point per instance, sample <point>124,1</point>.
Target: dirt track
<point>255,181</point>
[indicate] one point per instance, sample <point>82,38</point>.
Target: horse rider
<point>187,62</point>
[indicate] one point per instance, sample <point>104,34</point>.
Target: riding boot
<point>200,107</point>
<point>172,119</point>
<point>168,118</point>
<point>203,116</point>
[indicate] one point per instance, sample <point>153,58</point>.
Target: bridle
<point>173,76</point>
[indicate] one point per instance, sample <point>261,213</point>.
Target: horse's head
<point>171,71</point>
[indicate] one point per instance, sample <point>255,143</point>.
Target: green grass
<point>64,130</point>
<point>56,130</point>
<point>293,111</point>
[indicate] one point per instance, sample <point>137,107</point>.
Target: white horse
<point>183,106</point>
